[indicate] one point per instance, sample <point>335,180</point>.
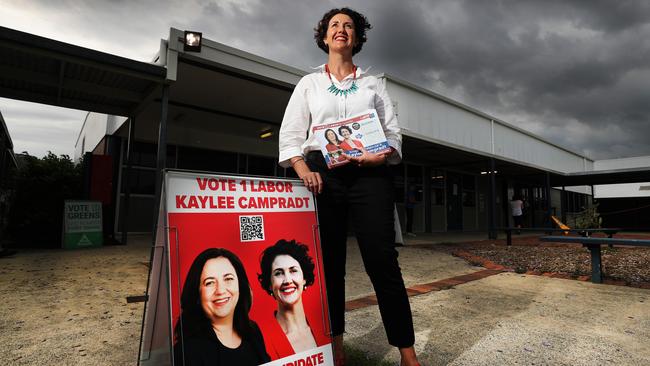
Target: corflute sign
<point>245,265</point>
<point>82,224</point>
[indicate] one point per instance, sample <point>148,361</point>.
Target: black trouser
<point>366,197</point>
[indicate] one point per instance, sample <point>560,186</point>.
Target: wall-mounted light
<point>490,172</point>
<point>266,134</point>
<point>192,41</point>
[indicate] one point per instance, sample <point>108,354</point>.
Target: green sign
<point>82,224</point>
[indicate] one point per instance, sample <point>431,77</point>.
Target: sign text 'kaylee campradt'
<point>222,197</point>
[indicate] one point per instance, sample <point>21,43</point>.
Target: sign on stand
<point>82,224</point>
<point>223,230</point>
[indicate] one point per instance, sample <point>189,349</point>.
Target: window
<point>259,165</point>
<point>414,181</point>
<point>207,160</point>
<point>144,154</point>
<point>469,191</point>
<point>141,181</point>
<point>437,185</point>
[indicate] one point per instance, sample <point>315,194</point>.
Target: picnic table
<point>548,230</point>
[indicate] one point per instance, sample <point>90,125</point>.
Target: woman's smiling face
<point>219,289</point>
<point>345,133</point>
<point>340,33</point>
<point>287,279</point>
<point>331,136</point>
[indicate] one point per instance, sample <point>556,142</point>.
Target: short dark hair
<point>297,251</point>
<point>193,319</point>
<point>361,24</point>
<point>344,128</point>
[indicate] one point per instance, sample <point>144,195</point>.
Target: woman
<point>517,209</point>
<point>348,142</point>
<point>286,272</point>
<point>214,328</point>
<point>333,145</point>
<point>363,189</point>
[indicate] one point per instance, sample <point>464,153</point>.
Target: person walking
<point>517,209</point>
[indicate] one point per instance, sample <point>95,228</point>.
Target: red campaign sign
<point>270,227</point>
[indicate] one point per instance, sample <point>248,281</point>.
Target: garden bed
<point>621,265</point>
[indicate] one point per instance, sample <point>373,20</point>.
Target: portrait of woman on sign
<point>214,327</point>
<point>333,147</point>
<point>287,272</point>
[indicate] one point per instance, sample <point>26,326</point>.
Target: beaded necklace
<point>337,91</point>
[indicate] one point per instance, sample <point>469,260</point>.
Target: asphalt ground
<point>69,308</point>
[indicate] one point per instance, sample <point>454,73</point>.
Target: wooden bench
<point>593,244</point>
<point>549,230</point>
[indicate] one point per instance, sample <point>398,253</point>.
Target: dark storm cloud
<point>538,64</point>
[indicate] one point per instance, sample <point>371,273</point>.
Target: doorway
<point>454,202</point>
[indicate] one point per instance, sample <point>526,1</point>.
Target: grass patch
<point>356,357</point>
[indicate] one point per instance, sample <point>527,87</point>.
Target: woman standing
<point>363,190</point>
<point>214,328</point>
<point>517,209</point>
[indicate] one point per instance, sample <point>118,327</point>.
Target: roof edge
<point>28,40</point>
<point>477,112</point>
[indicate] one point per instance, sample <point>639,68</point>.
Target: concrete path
<point>68,307</point>
<point>511,319</point>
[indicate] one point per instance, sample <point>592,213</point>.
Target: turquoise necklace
<point>345,92</point>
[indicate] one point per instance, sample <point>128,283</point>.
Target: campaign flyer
<point>226,231</point>
<point>351,136</point>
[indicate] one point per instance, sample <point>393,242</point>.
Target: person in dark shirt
<point>214,328</point>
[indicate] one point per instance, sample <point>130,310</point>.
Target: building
<point>626,204</point>
<point>8,166</point>
<point>221,99</point>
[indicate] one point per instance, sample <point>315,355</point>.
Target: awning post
<point>492,212</point>
<point>162,155</point>
<point>547,188</point>
<point>124,218</point>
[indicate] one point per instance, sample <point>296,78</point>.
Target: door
<point>454,202</point>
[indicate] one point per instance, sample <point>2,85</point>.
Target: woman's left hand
<point>368,159</point>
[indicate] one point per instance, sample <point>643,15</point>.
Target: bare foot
<point>339,352</point>
<point>408,357</point>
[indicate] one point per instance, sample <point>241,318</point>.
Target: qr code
<point>251,228</point>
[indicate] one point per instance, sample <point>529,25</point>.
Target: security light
<point>192,41</point>
<point>266,134</point>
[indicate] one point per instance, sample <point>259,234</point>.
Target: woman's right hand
<point>312,180</point>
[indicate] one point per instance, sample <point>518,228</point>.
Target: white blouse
<point>311,105</point>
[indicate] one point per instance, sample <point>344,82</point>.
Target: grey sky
<point>573,72</point>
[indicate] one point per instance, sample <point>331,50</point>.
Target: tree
<point>42,185</point>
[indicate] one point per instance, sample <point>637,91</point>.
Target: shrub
<point>589,218</point>
<point>36,216</point>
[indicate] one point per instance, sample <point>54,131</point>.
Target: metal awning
<point>597,177</point>
<point>42,70</point>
